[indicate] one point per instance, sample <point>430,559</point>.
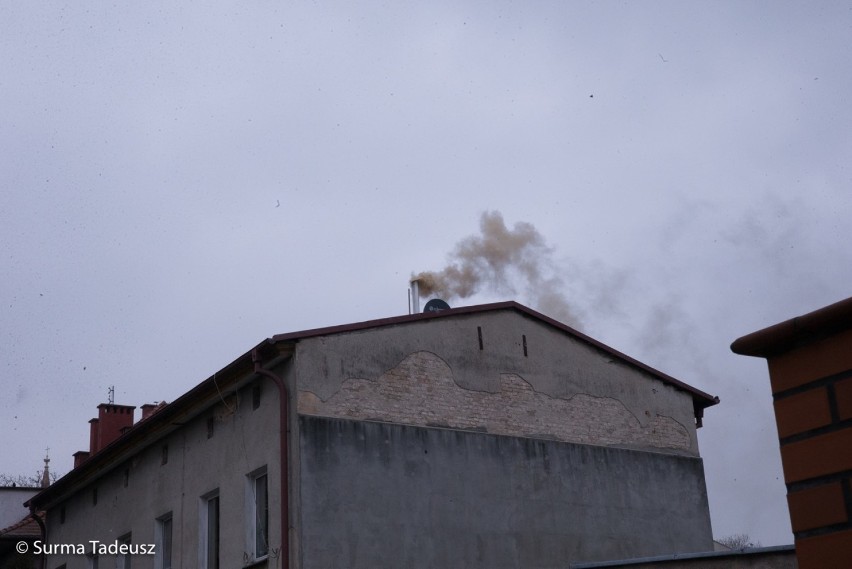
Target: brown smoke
<point>497,259</point>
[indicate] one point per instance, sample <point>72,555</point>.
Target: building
<point>19,525</point>
<point>810,371</point>
<point>486,436</point>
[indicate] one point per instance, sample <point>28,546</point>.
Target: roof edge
<point>798,331</point>
<point>154,426</point>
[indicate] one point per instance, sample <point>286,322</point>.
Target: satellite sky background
<point>179,181</point>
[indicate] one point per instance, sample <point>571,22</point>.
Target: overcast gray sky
<point>180,180</point>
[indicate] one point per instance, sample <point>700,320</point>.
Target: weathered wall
<point>433,373</point>
<point>384,495</point>
<point>244,439</point>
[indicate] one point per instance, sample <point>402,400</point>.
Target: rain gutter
<point>283,416</point>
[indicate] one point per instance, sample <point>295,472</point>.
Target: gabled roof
<point>273,350</point>
<point>702,400</point>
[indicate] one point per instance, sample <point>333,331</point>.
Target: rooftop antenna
<point>111,394</point>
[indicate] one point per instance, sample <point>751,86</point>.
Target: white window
<point>163,543</point>
<point>209,531</point>
<point>257,514</point>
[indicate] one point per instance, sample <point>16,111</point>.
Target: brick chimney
<point>149,409</point>
<point>93,436</point>
<point>80,457</point>
<point>810,372</point>
<point>111,422</point>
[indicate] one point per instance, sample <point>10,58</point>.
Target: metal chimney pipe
<point>415,296</point>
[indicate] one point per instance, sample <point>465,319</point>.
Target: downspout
<point>43,531</point>
<point>283,416</point>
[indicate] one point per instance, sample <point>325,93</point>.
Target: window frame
<point>164,551</point>
<point>205,532</point>
<point>257,518</point>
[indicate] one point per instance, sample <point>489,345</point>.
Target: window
<point>209,531</point>
<point>257,500</point>
<point>126,477</point>
<point>163,543</point>
<point>164,459</point>
<point>93,561</point>
<point>123,561</point>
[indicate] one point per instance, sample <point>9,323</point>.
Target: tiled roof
<point>27,527</point>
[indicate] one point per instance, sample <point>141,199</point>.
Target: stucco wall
<point>12,508</point>
<point>434,373</point>
<point>384,495</point>
<point>244,440</point>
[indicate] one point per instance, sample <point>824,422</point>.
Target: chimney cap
<point>115,406</point>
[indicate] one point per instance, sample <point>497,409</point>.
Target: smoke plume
<point>497,259</point>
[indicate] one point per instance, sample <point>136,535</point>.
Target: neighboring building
<point>487,436</point>
<point>783,557</point>
<point>17,525</point>
<point>12,500</point>
<point>810,370</point>
<point>26,530</point>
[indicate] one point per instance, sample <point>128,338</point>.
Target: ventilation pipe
<point>415,296</point>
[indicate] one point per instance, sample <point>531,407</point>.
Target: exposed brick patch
<point>817,456</point>
<point>421,391</point>
<point>817,507</point>
<point>802,412</point>
<point>831,551</point>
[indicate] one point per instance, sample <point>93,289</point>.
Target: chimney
<point>148,410</point>
<point>80,457</point>
<point>111,423</point>
<point>94,445</point>
<point>415,296</point>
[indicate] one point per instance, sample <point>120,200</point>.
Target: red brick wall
<point>812,391</point>
<point>111,420</point>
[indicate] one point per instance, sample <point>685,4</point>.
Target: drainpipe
<point>43,531</point>
<point>283,416</point>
